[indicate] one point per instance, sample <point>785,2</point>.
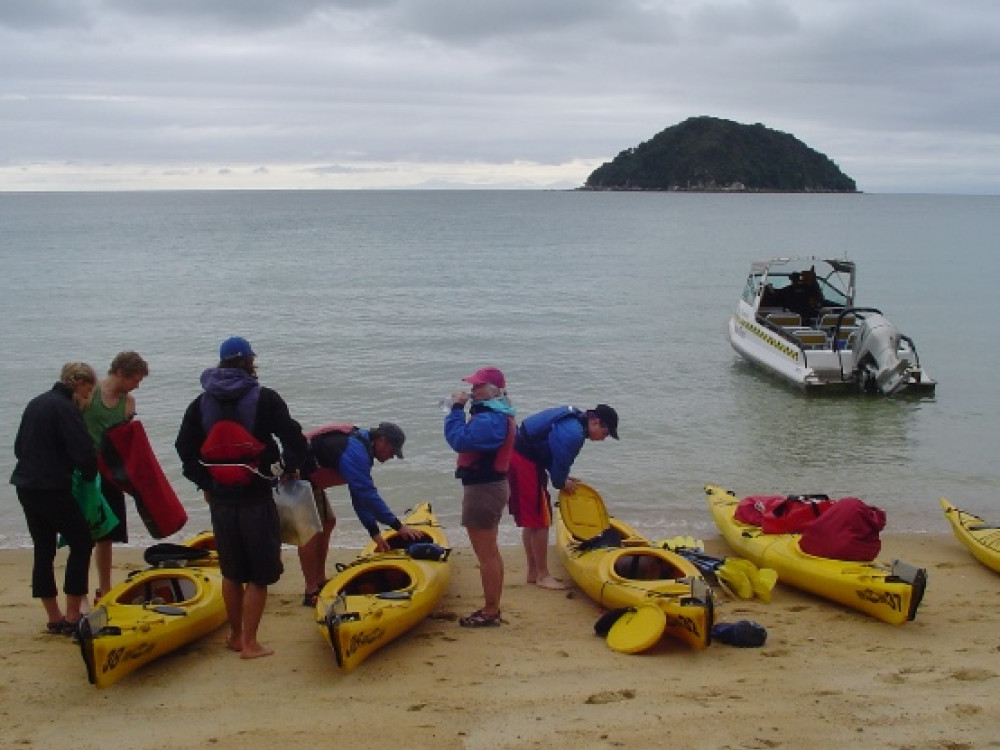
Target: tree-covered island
<point>711,154</point>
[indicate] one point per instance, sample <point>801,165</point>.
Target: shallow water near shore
<point>370,306</point>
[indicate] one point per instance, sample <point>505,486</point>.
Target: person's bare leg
<point>232,595</point>
<point>52,611</point>
<point>312,558</point>
<point>254,599</point>
<point>484,544</point>
<point>536,544</point>
<point>102,560</point>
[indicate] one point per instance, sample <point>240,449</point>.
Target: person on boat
<point>51,443</point>
<point>802,297</point>
<point>484,442</point>
<point>343,454</point>
<point>239,495</point>
<point>113,403</point>
<point>545,448</point>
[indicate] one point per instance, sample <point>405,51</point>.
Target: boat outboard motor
<point>876,354</point>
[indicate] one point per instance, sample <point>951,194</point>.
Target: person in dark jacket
<point>546,445</point>
<point>244,517</point>
<point>484,443</point>
<point>52,441</point>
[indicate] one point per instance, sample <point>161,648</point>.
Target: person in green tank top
<point>113,403</point>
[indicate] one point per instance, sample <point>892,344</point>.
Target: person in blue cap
<point>239,493</point>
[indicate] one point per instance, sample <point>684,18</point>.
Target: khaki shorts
<point>483,505</point>
<point>323,506</point>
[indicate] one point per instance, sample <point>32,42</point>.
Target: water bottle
<point>446,404</point>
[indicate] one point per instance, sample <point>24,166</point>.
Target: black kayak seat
<point>165,552</point>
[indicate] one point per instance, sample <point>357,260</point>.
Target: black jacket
<point>51,442</point>
<point>272,420</point>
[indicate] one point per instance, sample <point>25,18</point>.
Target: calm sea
<point>370,306</point>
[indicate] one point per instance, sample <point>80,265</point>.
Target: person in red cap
<point>546,445</point>
<point>484,442</point>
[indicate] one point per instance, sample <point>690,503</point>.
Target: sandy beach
<point>826,678</point>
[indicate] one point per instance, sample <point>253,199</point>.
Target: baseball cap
<point>394,434</point>
<point>489,375</point>
<point>609,418</point>
<point>233,347</point>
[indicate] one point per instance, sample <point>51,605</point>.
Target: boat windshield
<point>835,278</point>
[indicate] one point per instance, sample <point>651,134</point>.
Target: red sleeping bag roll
<point>848,530</point>
<point>127,460</point>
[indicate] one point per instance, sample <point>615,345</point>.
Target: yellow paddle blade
<point>637,629</point>
<point>736,579</point>
<point>763,582</point>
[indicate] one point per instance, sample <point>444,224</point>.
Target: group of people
<point>501,465</point>
<point>504,465</point>
<point>61,432</point>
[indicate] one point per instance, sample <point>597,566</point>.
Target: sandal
<point>54,628</point>
<point>479,619</point>
<point>71,628</point>
<point>311,597</point>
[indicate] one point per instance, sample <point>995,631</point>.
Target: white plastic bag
<point>297,511</point>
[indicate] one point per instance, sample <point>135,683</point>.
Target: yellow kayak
<point>204,540</point>
<point>380,596</point>
<point>616,567</point>
<point>152,613</point>
<point>889,591</point>
<point>980,537</point>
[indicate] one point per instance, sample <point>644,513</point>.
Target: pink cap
<point>489,375</point>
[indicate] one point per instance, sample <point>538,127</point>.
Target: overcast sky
<point>904,95</point>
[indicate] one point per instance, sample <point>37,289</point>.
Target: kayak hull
<point>978,536</point>
<point>634,573</point>
<point>381,596</point>
<point>152,613</point>
<point>891,592</point>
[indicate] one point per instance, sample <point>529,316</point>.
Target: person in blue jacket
<point>337,456</point>
<point>484,443</point>
<point>546,445</point>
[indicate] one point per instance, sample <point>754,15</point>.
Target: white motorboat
<point>797,319</point>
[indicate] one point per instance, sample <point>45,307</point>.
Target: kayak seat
<point>640,567</point>
<point>377,581</point>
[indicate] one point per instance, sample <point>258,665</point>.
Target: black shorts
<point>116,501</point>
<point>248,539</point>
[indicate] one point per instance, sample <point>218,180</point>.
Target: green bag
<point>100,518</point>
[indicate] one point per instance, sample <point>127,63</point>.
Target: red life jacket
<point>323,475</point>
<point>230,452</point>
<point>475,467</point>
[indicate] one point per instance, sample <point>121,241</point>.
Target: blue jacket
<point>552,439</point>
<point>355,467</point>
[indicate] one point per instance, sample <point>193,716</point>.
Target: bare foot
<point>233,643</point>
<point>256,652</point>
<point>548,582</point>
